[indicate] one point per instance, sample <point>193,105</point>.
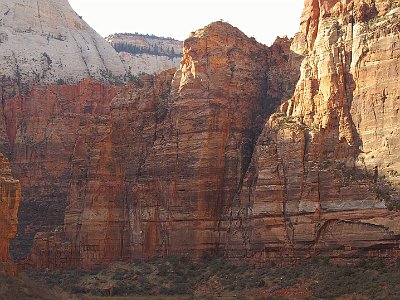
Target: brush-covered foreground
<point>212,278</point>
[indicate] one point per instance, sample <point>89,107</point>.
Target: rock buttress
<point>10,196</point>
<point>44,126</point>
<point>155,174</point>
<point>316,182</point>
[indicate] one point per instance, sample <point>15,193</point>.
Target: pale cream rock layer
<point>148,62</point>
<point>46,41</point>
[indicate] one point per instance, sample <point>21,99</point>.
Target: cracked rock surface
<point>47,42</point>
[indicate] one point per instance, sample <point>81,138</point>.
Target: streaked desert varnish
<point>160,168</point>
<point>327,163</point>
<point>10,196</point>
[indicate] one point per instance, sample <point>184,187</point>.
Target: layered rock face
<point>100,216</point>
<point>185,163</point>
<point>10,196</point>
<point>148,63</point>
<point>204,144</point>
<point>149,169</point>
<point>44,128</point>
<point>146,53</point>
<point>47,42</point>
<point>316,179</point>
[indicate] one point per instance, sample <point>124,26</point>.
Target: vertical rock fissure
<point>39,16</point>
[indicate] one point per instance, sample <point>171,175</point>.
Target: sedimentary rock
<point>315,182</point>
<point>192,162</point>
<point>146,53</point>
<point>10,196</point>
<point>47,42</point>
<point>152,172</point>
<point>204,144</point>
<point>44,128</point>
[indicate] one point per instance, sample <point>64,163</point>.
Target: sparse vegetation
<point>111,78</point>
<point>385,192</point>
<point>380,187</point>
<point>153,50</point>
<point>23,287</point>
<point>394,173</point>
<point>351,175</point>
<point>319,278</point>
<point>152,36</point>
<point>286,121</point>
<point>47,58</point>
<point>130,78</point>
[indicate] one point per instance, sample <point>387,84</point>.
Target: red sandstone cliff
<point>44,126</point>
<point>156,171</point>
<point>187,163</point>
<point>312,185</point>
<point>203,146</point>
<point>10,196</point>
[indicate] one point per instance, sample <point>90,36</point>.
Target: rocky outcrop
<point>316,180</point>
<point>148,169</point>
<point>148,63</point>
<point>146,53</point>
<point>204,144</point>
<point>186,162</point>
<point>47,42</point>
<point>44,128</point>
<point>10,196</point>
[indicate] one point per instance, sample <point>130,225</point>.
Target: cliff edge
<point>47,42</point>
<point>10,196</point>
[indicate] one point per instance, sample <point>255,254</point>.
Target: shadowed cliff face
<point>202,148</point>
<point>148,169</point>
<point>44,127</point>
<point>313,185</point>
<point>186,162</point>
<point>10,196</point>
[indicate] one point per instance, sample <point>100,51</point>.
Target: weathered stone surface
<point>312,185</point>
<point>147,63</point>
<point>46,41</point>
<point>152,171</point>
<point>44,128</point>
<point>218,105</point>
<point>186,163</point>
<point>10,196</point>
<point>100,217</point>
<point>146,53</point>
<point>87,222</point>
<point>351,75</point>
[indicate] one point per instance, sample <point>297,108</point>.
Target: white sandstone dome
<point>46,41</point>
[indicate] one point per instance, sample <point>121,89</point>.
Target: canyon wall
<point>10,196</point>
<point>324,170</point>
<point>146,53</point>
<point>154,170</point>
<point>47,42</point>
<point>43,128</point>
<point>248,151</point>
<point>218,106</point>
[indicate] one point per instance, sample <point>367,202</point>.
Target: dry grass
<point>180,278</point>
